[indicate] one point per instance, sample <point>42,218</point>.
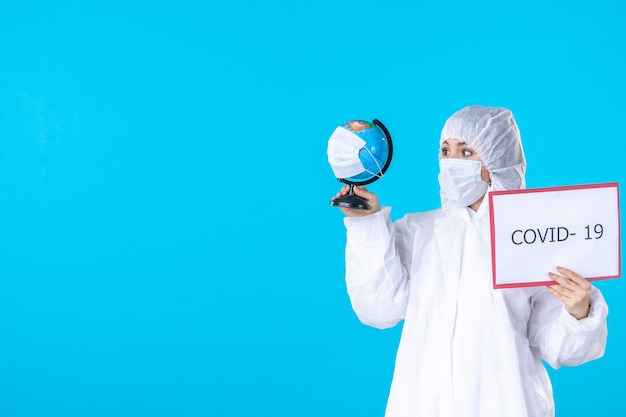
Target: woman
<point>466,349</point>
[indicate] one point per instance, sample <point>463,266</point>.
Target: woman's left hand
<point>573,290</point>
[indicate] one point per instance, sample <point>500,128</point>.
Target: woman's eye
<point>467,153</point>
<point>445,151</point>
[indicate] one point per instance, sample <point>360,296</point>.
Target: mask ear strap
<point>481,167</point>
<point>378,174</point>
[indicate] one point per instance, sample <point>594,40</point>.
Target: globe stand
<point>351,200</point>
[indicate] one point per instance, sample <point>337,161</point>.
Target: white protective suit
<point>466,349</point>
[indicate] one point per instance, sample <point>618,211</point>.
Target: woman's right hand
<point>362,192</point>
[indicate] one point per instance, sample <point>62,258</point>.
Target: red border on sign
<point>541,190</point>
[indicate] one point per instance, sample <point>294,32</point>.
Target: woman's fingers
<point>574,278</point>
<point>573,290</point>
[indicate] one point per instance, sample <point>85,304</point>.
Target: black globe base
<point>350,201</point>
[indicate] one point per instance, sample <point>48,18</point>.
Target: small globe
<point>358,145</point>
<point>374,154</point>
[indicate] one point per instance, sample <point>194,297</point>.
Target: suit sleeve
<point>562,339</point>
<point>377,265</point>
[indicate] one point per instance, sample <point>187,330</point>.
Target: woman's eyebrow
<point>445,143</point>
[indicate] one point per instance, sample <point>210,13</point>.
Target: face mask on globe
<point>343,154</point>
<point>460,181</point>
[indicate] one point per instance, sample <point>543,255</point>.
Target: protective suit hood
<point>493,133</point>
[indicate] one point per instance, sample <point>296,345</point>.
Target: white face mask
<point>460,181</point>
<point>343,153</point>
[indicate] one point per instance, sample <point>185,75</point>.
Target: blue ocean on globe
<point>375,152</point>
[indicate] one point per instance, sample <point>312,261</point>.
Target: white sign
<point>535,230</point>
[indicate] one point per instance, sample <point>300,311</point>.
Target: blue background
<point>166,241</point>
